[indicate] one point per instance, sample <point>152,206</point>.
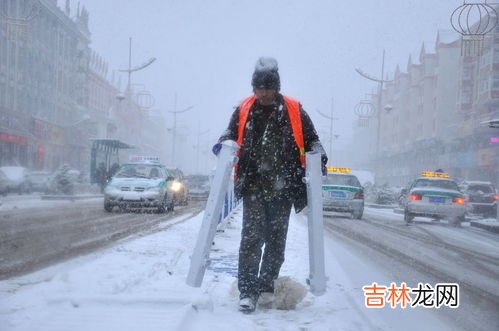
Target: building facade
<point>43,80</point>
<point>55,93</point>
<point>437,105</point>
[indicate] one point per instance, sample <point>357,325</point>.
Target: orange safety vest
<point>293,107</point>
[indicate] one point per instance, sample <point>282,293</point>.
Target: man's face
<point>265,96</point>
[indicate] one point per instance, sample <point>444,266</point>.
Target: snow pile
<point>288,293</point>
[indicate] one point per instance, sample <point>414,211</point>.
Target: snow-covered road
<point>51,231</point>
<point>139,283</point>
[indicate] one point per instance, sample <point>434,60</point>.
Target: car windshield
<point>138,171</point>
<point>334,179</point>
<point>445,184</point>
<point>480,188</point>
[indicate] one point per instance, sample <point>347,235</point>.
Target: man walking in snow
<point>273,132</point>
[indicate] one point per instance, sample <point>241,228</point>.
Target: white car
<point>342,192</point>
<point>434,195</point>
<point>15,179</point>
<point>140,185</point>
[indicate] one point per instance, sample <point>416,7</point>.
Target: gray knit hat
<point>266,74</point>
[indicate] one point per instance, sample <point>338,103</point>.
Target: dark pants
<point>265,222</point>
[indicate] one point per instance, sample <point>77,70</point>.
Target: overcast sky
<point>206,50</point>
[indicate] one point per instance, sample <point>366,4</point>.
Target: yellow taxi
<point>435,195</point>
<point>342,192</point>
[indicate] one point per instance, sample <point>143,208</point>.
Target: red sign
<point>13,138</point>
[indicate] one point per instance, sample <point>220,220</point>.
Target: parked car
<point>199,187</point>
<point>39,181</point>
<point>16,179</point>
<point>385,195</point>
<point>481,196</point>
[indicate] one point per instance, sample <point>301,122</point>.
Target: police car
<point>436,195</point>
<point>342,192</point>
<point>141,183</point>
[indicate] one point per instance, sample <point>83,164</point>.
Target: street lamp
<point>493,123</point>
<point>136,68</point>
<point>380,82</point>
<point>128,92</point>
<point>85,118</point>
<point>331,119</point>
<point>175,112</point>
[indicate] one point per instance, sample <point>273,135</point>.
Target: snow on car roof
<point>477,182</point>
<point>13,172</point>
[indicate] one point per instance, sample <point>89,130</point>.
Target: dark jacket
<point>269,162</point>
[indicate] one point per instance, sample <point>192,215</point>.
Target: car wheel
<point>163,207</point>
<point>457,221</point>
<point>171,207</point>
<point>358,214</point>
<point>408,217</point>
<point>108,207</point>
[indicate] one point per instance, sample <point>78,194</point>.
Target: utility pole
<point>197,146</point>
<point>130,70</point>
<point>331,120</point>
<point>380,82</point>
<point>174,133</point>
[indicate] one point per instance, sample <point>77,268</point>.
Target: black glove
<point>324,164</point>
<point>216,148</point>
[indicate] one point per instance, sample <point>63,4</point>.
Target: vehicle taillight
<point>359,195</point>
<point>496,197</point>
<point>458,200</point>
<point>416,196</point>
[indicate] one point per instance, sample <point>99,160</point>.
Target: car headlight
<point>176,186</point>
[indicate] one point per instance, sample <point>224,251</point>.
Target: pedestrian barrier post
<point>313,179</point>
<point>200,256</point>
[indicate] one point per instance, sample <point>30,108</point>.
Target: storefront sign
<point>13,138</point>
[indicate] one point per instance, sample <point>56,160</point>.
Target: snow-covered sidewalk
<point>139,284</point>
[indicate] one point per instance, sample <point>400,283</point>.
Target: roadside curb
<point>492,225</point>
